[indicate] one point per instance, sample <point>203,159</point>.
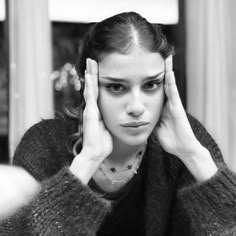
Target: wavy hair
<point>117,34</point>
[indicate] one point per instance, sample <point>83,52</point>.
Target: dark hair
<point>119,33</point>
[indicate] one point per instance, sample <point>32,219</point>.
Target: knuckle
<point>90,112</point>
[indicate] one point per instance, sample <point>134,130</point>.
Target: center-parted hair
<point>117,34</point>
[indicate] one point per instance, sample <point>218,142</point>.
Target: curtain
<point>30,64</point>
<point>211,87</point>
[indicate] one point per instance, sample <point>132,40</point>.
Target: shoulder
<point>199,130</point>
<point>196,125</point>
<point>49,129</point>
<point>205,138</point>
<point>42,151</point>
<point>45,127</point>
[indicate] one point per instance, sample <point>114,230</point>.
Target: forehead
<point>138,63</point>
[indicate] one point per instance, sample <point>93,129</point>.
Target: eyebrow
<point>125,80</point>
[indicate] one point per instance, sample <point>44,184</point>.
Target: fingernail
<point>87,63</point>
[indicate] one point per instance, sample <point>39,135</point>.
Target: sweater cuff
<point>212,203</point>
<point>70,204</point>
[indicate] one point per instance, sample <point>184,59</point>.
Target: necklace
<point>112,170</point>
<point>106,165</point>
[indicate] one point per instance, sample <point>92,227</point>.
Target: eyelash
<point>157,83</point>
<point>110,87</point>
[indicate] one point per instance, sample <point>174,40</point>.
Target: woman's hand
<point>175,133</point>
<point>97,141</point>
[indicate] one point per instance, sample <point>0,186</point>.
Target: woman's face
<point>131,94</point>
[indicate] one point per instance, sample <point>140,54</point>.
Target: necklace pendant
<point>113,169</point>
<point>129,167</point>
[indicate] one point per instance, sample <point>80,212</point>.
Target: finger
<point>91,109</point>
<point>94,74</point>
<point>92,69</point>
<point>88,67</point>
<point>171,89</point>
<point>169,63</point>
<point>89,90</point>
<point>170,84</point>
<point>89,76</point>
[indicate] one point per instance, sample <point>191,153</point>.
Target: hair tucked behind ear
<point>117,34</point>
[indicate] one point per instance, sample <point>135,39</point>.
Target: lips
<point>134,124</point>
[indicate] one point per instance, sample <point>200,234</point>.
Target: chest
<point>146,201</point>
<point>112,182</point>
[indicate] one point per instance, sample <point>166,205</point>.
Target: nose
<point>135,105</point>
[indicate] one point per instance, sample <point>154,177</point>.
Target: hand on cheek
<point>96,137</point>
<point>175,133</point>
<point>97,141</point>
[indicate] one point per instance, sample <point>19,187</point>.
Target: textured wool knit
<point>174,204</point>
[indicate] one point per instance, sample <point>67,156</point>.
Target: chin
<point>134,140</point>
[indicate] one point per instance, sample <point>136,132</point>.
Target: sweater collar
<point>159,189</point>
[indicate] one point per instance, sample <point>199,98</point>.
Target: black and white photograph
<point>117,118</point>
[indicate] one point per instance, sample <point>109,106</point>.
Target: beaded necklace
<point>108,171</point>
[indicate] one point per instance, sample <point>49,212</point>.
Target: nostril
<point>135,105</point>
<point>135,110</point>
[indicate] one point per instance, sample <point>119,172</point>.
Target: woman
<point>139,166</point>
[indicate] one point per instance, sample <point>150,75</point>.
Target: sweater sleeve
<point>64,205</point>
<point>208,207</point>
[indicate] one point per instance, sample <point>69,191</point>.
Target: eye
<point>152,85</point>
<point>115,88</point>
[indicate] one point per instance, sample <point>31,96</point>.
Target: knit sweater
<point>175,204</point>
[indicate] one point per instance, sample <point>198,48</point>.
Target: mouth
<point>134,124</point>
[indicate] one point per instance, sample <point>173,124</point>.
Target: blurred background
<point>39,43</point>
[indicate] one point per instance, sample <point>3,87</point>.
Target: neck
<point>122,152</point>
